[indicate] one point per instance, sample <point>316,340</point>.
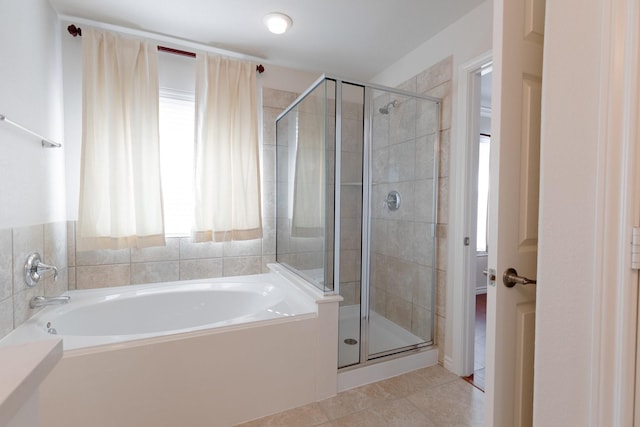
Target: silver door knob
<point>510,278</point>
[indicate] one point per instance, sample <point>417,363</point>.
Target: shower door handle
<point>510,278</point>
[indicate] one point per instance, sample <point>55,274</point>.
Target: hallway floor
<point>429,397</point>
<point>480,349</point>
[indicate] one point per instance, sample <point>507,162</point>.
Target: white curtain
<point>227,170</point>
<point>120,191</point>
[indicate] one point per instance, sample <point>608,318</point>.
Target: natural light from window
<point>176,114</point>
<point>483,193</point>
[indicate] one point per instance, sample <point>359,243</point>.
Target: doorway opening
<point>480,142</point>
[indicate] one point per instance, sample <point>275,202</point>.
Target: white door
<point>513,226</point>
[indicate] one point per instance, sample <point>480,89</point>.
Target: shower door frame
<point>365,297</point>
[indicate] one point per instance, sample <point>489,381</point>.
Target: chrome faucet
<point>41,301</point>
<point>34,268</point>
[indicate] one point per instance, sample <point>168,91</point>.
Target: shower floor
<point>384,335</point>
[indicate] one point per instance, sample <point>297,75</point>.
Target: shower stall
<point>356,199</point>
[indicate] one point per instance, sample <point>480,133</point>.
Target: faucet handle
<point>33,268</point>
<point>40,267</point>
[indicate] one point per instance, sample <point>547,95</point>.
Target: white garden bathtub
<point>115,315</point>
<point>216,352</point>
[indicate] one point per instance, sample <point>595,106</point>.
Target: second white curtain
<point>227,171</point>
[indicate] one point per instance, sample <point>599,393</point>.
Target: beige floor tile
<point>351,401</point>
<point>456,403</point>
<point>434,376</point>
<point>395,413</point>
<point>304,416</point>
<point>412,382</point>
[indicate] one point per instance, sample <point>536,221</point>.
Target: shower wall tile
<point>266,260</point>
<point>49,240</point>
<point>422,244</point>
<point>402,121</point>
<point>241,266</point>
<point>193,250</point>
<point>350,291</point>
<point>441,294</point>
<point>381,129</point>
<point>6,316</point>
<point>103,276</point>
<point>191,269</point>
<point>440,337</point>
<point>401,278</point>
<point>421,323</point>
<point>427,118</point>
<point>443,91</point>
<point>269,163</point>
<point>424,157</point>
<point>242,248</point>
<point>435,75</point>
<point>353,111</point>
<point>444,154</point>
<point>55,244</point>
<point>402,162</point>
<point>350,266</point>
<point>25,241</point>
<point>378,237</point>
<point>399,311</point>
<point>443,243</point>
<point>409,85</point>
<point>21,309</point>
<point>71,243</point>
<point>399,239</point>
<point>269,236</point>
<point>351,234</point>
<point>170,252</point>
<point>155,272</point>
<point>277,98</point>
<point>443,201</point>
<point>103,257</point>
<point>6,266</point>
<point>71,273</point>
<point>351,167</point>
<point>269,116</point>
<point>352,135</point>
<point>422,295</point>
<point>269,208</point>
<point>378,300</point>
<point>423,196</point>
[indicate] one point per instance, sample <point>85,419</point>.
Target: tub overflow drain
<point>351,341</point>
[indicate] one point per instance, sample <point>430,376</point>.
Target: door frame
<point>615,310</point>
<point>461,302</point>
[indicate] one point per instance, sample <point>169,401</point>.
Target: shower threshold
<point>384,335</point>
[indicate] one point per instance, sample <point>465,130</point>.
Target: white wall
<point>465,39</point>
<point>32,179</point>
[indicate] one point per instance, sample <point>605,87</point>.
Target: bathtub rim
<point>288,279</point>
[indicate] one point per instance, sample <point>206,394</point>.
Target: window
<point>176,117</point>
<point>483,193</point>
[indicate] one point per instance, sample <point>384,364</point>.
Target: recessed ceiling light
<point>277,22</point>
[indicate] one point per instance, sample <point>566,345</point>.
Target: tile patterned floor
<point>429,397</point>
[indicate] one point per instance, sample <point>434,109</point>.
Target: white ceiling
<point>355,39</point>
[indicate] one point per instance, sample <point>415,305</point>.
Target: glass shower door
<point>349,215</point>
<point>402,215</point>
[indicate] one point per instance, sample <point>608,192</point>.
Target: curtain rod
<point>77,32</point>
<point>46,142</point>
